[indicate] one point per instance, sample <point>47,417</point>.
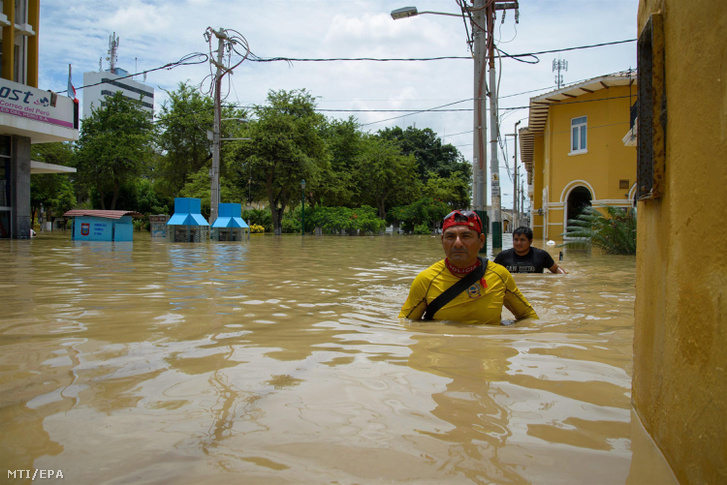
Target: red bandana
<point>460,271</point>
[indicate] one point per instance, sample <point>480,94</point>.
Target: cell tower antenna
<point>113,46</point>
<point>559,65</point>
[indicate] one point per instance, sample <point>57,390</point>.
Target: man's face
<point>461,245</point>
<point>521,243</point>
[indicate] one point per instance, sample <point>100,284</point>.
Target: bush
<point>260,217</point>
<point>615,232</point>
<point>256,228</point>
<point>334,220</point>
<point>420,217</point>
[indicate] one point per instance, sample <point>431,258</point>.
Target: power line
<point>188,60</point>
<point>503,54</point>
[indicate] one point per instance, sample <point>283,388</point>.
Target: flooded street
<point>281,360</point>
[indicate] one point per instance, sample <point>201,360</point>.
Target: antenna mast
<point>113,46</point>
<point>559,65</point>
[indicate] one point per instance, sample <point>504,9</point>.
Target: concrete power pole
<point>492,7</point>
<point>515,182</point>
<point>479,168</point>
<point>216,142</point>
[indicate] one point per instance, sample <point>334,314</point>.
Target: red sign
<point>85,228</point>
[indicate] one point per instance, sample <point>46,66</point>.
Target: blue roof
<point>234,222</point>
<point>187,213</point>
<point>229,216</point>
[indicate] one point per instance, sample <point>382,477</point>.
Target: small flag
<point>71,90</point>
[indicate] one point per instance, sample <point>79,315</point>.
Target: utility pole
<point>227,41</point>
<point>216,142</point>
<point>491,9</point>
<point>479,169</point>
<point>516,183</point>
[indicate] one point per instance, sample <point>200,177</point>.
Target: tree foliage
<point>122,159</point>
<point>185,117</point>
<point>114,147</point>
<point>286,148</point>
<point>384,175</point>
<point>420,217</point>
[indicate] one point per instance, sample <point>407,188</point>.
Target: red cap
<point>462,218</point>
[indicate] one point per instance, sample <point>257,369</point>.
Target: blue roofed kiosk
<point>187,224</point>
<point>229,225</point>
<point>102,225</point>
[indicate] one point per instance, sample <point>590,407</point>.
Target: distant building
<point>27,115</point>
<point>98,85</point>
<point>577,153</point>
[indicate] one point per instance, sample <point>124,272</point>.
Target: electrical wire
<point>188,60</point>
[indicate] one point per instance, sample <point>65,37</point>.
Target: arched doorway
<point>578,199</point>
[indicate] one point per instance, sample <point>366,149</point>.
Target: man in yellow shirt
<point>484,287</point>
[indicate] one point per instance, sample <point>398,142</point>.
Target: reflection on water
<point>281,360</point>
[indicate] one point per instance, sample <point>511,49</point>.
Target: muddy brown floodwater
<point>281,360</point>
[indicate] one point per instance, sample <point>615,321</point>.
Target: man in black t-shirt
<point>523,258</point>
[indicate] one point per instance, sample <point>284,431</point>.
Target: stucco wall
<point>680,337</point>
<point>598,170</point>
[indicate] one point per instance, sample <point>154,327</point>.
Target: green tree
<point>345,143</point>
<point>384,176</point>
<point>432,156</point>
<point>185,117</point>
<point>454,190</point>
<point>420,217</point>
<point>286,148</point>
<point>114,147</point>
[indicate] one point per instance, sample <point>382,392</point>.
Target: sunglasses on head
<point>464,215</point>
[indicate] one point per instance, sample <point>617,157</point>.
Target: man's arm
<point>515,301</point>
<point>557,269</point>
<point>416,303</point>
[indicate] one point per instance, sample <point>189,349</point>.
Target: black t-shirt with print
<point>533,262</point>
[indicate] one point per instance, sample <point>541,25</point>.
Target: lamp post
<point>302,207</point>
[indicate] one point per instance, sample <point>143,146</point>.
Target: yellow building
<point>679,388</point>
<point>27,115</point>
<point>577,153</point>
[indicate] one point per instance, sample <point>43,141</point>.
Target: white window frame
<point>579,135</point>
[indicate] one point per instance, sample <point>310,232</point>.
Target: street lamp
<point>404,12</point>
<point>302,207</point>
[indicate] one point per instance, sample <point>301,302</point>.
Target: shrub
<point>615,232</point>
<point>334,220</point>
<point>424,212</point>
<point>261,217</point>
<point>256,228</point>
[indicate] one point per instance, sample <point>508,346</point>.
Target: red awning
<point>102,213</point>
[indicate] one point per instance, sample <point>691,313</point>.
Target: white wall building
<point>98,85</point>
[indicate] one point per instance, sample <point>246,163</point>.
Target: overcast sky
<point>154,33</point>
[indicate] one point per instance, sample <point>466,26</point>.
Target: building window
<point>623,184</point>
<point>651,120</point>
<point>578,129</point>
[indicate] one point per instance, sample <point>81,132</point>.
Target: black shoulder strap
<point>455,290</point>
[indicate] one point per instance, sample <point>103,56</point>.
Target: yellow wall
<point>599,170</point>
<point>537,220</point>
<point>680,335</point>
